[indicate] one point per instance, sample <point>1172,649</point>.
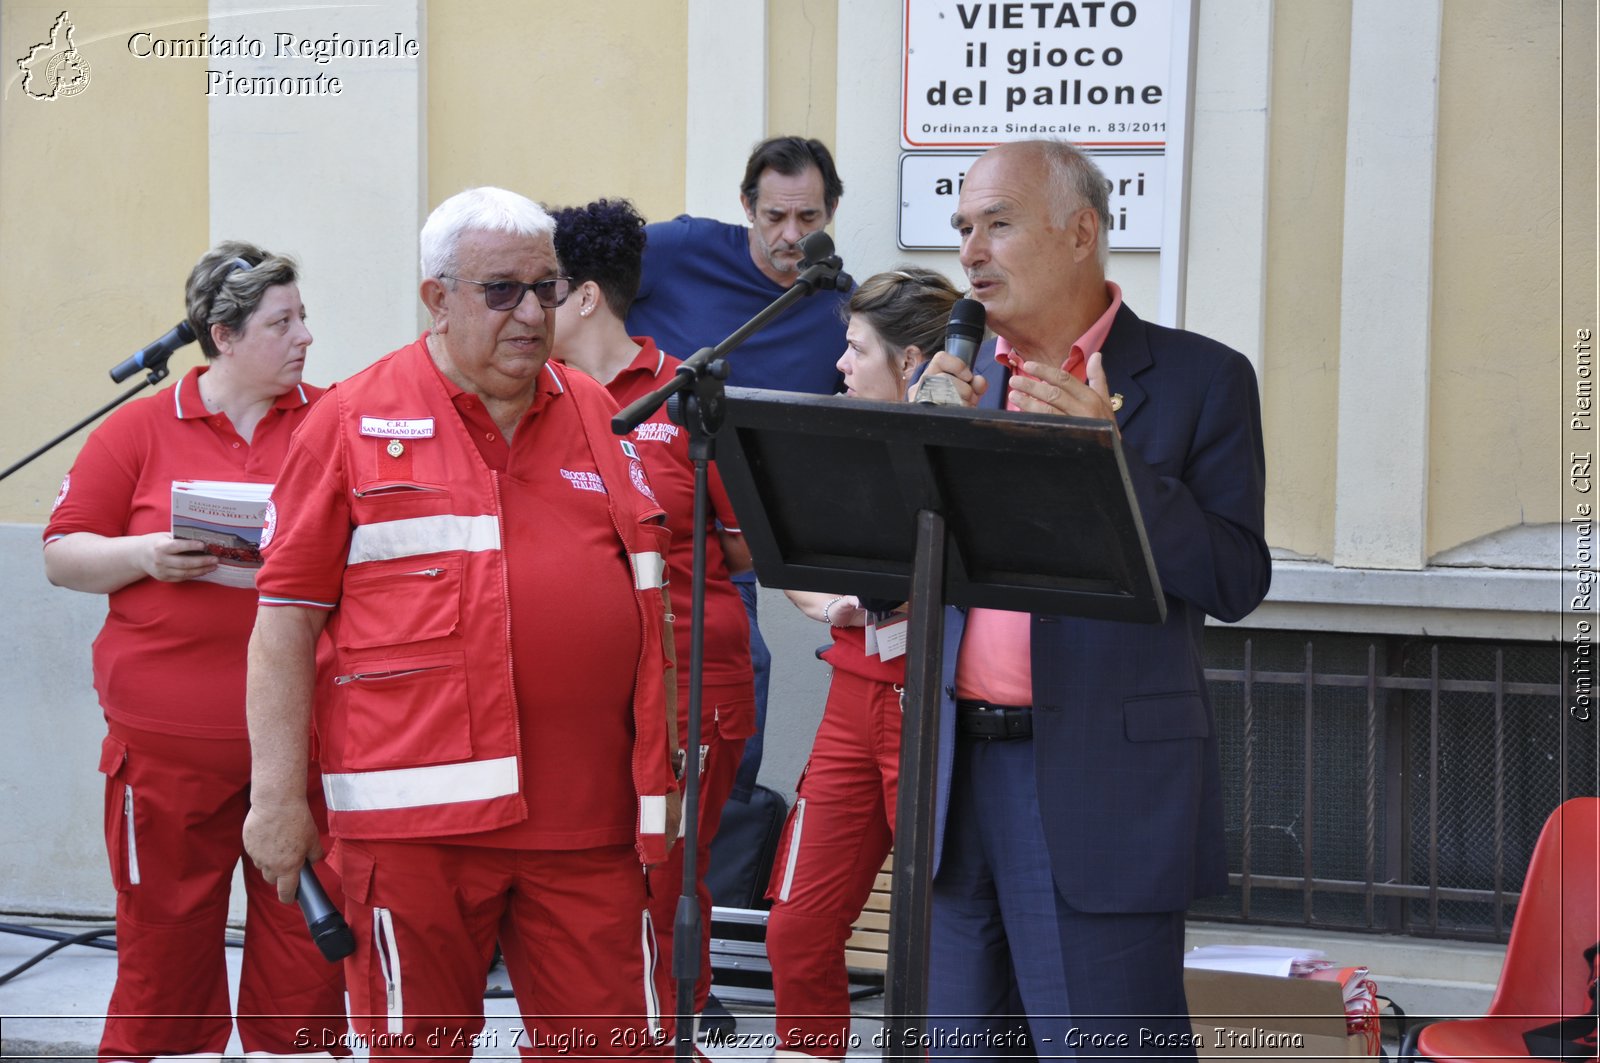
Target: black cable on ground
<point>62,939</point>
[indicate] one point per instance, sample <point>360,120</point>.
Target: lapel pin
<point>1116,402</point>
<point>397,448</point>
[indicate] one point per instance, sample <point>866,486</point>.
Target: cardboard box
<point>1252,1016</point>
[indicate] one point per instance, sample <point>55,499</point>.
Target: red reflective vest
<point>419,732</point>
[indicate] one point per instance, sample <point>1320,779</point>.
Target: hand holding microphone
<point>962,336</point>
<point>328,928</point>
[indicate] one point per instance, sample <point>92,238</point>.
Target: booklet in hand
<point>227,517</point>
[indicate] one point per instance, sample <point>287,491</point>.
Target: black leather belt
<point>979,719</point>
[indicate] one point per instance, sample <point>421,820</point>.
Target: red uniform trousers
<point>573,927</point>
<point>666,880</point>
<point>174,813</point>
<point>839,832</point>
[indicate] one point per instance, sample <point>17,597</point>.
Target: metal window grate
<point>1388,784</point>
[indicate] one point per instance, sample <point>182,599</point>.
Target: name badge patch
<point>397,428</point>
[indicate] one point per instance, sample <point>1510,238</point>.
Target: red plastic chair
<point>1544,977</point>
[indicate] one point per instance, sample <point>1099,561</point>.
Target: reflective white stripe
<point>177,398</point>
<point>652,1003</point>
<point>437,784</point>
<point>389,960</point>
<point>305,603</point>
<point>648,571</point>
<point>423,535</point>
<point>794,848</point>
<point>652,815</point>
<point>133,840</point>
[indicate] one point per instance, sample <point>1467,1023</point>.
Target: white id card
<point>887,640</point>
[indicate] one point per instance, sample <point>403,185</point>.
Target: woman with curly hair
<point>601,247</point>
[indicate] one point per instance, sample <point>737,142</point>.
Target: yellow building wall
<point>1305,238</point>
<point>802,68</point>
<point>563,102</point>
<point>103,211</point>
<point>1497,338</point>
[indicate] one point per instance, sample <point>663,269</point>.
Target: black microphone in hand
<point>328,928</point>
<point>156,354</point>
<point>962,336</point>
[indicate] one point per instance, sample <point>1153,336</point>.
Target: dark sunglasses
<point>507,295</point>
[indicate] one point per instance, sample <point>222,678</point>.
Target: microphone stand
<point>158,373</point>
<point>700,408</point>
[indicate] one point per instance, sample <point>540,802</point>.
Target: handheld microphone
<point>155,355</point>
<point>328,928</point>
<point>962,337</point>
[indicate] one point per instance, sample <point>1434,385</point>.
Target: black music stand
<point>939,506</point>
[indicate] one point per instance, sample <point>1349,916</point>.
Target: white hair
<point>1077,182</point>
<point>485,209</point>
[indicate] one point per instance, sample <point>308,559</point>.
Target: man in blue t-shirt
<point>704,278</point>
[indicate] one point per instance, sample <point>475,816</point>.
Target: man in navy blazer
<point>1079,796</point>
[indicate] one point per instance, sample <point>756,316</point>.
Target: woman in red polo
<point>842,824</point>
<point>601,246</point>
<point>169,666</point>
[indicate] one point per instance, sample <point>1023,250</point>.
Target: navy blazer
<point>1124,740</point>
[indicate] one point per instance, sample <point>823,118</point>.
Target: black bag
<point>744,848</point>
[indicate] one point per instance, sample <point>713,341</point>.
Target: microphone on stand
<point>817,248</point>
<point>962,337</point>
<point>155,355</point>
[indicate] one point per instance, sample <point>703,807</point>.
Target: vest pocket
<point>395,602</point>
<point>388,499</point>
<point>401,712</point>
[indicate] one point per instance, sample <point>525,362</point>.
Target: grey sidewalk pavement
<point>54,1010</point>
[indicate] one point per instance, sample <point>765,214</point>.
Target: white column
<point>867,144</point>
<point>1226,293</point>
<point>727,106</point>
<point>1387,285</point>
<point>337,181</point>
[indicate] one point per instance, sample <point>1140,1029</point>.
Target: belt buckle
<point>994,723</point>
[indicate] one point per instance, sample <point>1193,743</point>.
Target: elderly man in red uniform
<point>497,739</point>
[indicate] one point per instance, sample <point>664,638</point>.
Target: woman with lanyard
<point>842,824</point>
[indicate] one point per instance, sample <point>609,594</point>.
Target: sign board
<point>978,72</point>
<point>1112,76</point>
<point>930,183</point>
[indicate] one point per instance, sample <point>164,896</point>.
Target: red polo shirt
<point>664,449</point>
<point>171,656</point>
